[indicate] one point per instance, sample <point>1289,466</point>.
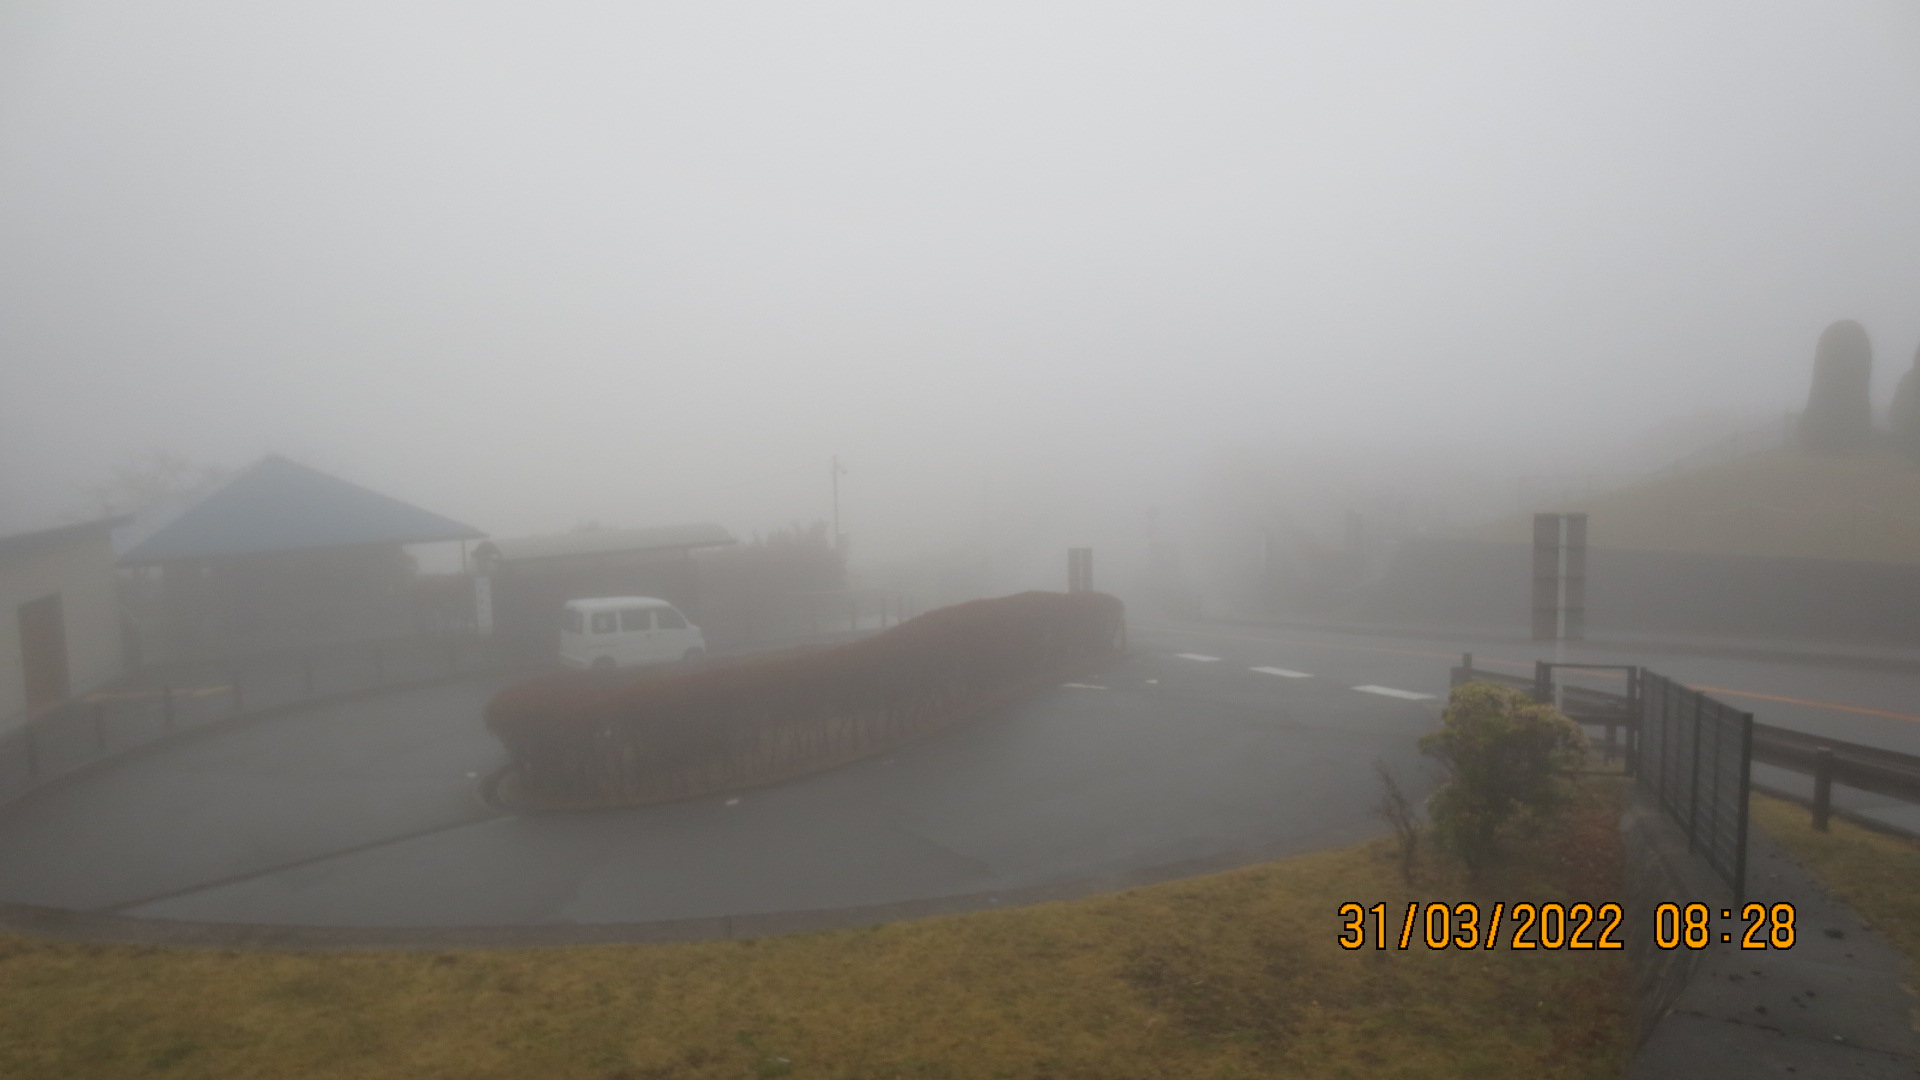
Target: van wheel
<point>693,654</point>
<point>603,663</point>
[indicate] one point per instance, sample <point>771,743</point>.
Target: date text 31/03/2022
<point>1523,925</point>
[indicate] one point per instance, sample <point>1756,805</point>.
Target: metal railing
<point>148,707</point>
<point>1834,761</point>
<point>1695,758</point>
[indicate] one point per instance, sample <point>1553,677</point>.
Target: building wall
<point>81,570</point>
<point>241,604</point>
<point>528,597</point>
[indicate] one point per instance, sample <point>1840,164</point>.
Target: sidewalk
<point>1838,1003</point>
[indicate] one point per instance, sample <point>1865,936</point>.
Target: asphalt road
<point>1210,741</point>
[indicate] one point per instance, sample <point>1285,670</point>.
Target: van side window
<point>635,619</point>
<point>576,623</point>
<point>670,619</point>
<point>603,622</point>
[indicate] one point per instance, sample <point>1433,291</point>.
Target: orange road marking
<point>1863,711</point>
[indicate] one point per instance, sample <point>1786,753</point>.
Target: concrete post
<point>1822,786</point>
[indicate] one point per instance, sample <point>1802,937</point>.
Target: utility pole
<point>837,470</point>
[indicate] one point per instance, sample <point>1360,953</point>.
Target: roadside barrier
<point>1834,761</point>
<point>580,740</point>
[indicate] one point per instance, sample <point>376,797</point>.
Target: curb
<point>61,924</point>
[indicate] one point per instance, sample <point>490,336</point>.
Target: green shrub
<point>1505,756</point>
<point>583,738</point>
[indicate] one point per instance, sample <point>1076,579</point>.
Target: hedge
<point>581,740</point>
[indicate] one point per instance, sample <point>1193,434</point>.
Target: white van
<point>622,631</point>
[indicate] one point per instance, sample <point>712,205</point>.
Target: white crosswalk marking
<point>1080,686</point>
<point>1202,657</point>
<point>1283,673</point>
<point>1388,691</point>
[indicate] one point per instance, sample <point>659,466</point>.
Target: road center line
<point>1283,673</point>
<point>1828,706</point>
<point>1388,691</point>
<point>1202,657</point>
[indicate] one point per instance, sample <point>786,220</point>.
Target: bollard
<point>100,727</point>
<point>1822,786</point>
<point>166,707</point>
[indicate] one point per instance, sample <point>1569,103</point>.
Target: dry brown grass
<point>1781,502</point>
<point>1876,873</point>
<point>1231,975</point>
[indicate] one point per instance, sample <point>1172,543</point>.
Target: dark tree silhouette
<point>1904,418</point>
<point>1839,416</point>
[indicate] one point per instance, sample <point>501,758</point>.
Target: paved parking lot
<point>366,814</point>
<point>1210,742</point>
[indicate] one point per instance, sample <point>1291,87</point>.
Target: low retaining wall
<point>1660,870</point>
<point>163,707</point>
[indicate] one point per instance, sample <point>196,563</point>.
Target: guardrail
<point>1831,761</point>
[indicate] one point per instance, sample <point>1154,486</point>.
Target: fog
<point>1023,268</point>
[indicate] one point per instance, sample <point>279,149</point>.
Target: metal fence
<point>1695,759</point>
<point>157,704</point>
<point>1691,753</point>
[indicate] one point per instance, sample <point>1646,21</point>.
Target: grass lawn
<point>1876,873</point>
<point>1232,975</point>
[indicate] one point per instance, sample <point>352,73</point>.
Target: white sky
<point>527,264</point>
